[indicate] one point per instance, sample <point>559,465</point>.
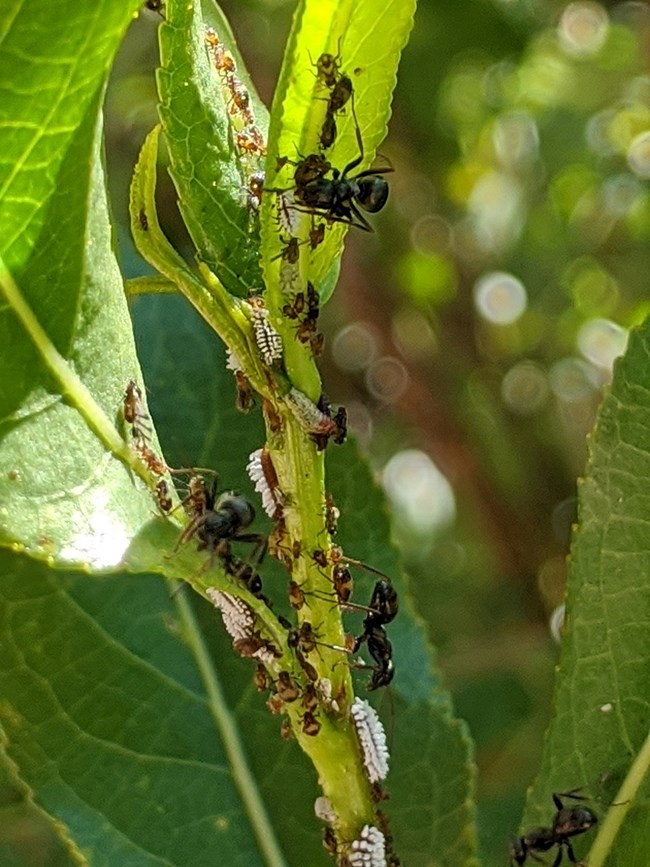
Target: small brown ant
<point>134,413</point>
<point>162,496</point>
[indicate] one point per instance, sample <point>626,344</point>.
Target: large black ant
<point>567,822</point>
<point>382,610</point>
<point>218,520</point>
<point>339,198</point>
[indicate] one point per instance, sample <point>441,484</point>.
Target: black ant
<point>339,198</point>
<point>382,609</point>
<point>381,650</point>
<point>338,429</point>
<point>217,521</point>
<point>567,822</point>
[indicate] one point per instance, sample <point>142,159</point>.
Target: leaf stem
<point>622,803</point>
<point>242,775</point>
<point>71,385</point>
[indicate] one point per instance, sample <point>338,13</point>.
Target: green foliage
<point>130,729</point>
<point>86,657</point>
<point>602,691</point>
<point>209,174</point>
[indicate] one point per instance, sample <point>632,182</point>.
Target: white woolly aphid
<point>267,338</point>
<point>324,810</point>
<point>232,362</point>
<point>237,616</point>
<point>369,850</point>
<point>308,414</point>
<point>372,739</point>
<point>256,472</point>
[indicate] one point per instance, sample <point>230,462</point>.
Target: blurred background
<point>472,335</point>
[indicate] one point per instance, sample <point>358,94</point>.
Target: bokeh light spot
<point>421,497</point>
<point>572,379</point>
<point>516,139</point>
<point>387,379</point>
<point>524,388</point>
<point>601,341</point>
<point>638,155</point>
<point>583,28</point>
<point>500,298</point>
<point>355,346</point>
<point>413,334</point>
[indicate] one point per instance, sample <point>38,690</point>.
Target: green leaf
<point>200,123</point>
<point>368,46</point>
<point>67,347</point>
<point>105,714</point>
<point>597,738</point>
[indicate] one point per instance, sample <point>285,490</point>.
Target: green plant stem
<point>335,750</point>
<point>622,803</point>
<point>242,775</point>
<point>149,286</point>
<point>71,386</point>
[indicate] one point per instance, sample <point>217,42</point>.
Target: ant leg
<point>357,131</point>
<point>361,222</point>
<point>572,793</point>
<point>570,852</point>
<point>558,859</point>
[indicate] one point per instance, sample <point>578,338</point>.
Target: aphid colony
<point>216,522</point>
<point>288,655</point>
<point>249,139</point>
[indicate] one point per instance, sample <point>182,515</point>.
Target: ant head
<point>582,818</point>
<point>373,193</point>
<point>237,507</point>
<point>518,851</point>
